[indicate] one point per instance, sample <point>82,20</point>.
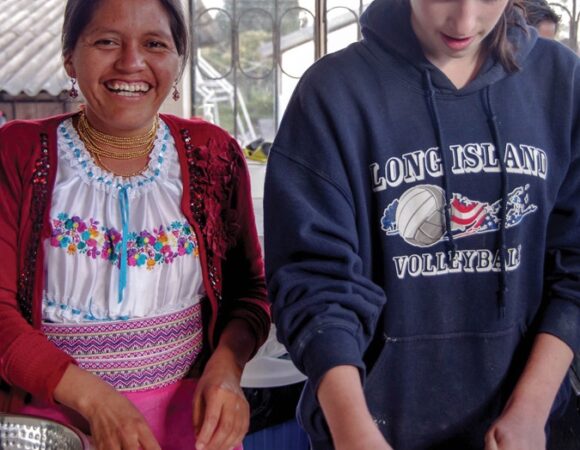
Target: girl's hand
<point>114,421</point>
<point>516,430</point>
<point>221,414</point>
<point>522,423</point>
<point>352,427</point>
<point>371,439</point>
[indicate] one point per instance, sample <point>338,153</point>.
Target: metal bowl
<point>35,433</point>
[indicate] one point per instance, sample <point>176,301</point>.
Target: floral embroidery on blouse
<point>144,248</point>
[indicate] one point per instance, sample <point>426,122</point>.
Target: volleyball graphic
<point>420,215</point>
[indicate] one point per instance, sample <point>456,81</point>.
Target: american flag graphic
<point>466,213</point>
<point>471,216</point>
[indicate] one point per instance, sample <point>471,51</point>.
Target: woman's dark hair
<point>78,14</point>
<point>498,43</point>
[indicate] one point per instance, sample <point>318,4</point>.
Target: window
<point>248,56</point>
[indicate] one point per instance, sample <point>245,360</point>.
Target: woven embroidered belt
<point>135,354</point>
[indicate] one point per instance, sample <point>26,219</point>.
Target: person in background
<point>422,231</point>
<point>3,119</point>
<point>541,16</point>
<point>132,291</point>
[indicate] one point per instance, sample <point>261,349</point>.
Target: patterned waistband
<point>136,354</point>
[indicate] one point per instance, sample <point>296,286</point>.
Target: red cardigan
<point>216,201</point>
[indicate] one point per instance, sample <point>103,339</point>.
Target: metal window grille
<point>248,54</point>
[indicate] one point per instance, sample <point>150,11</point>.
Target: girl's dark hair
<point>498,43</point>
<point>78,14</point>
<point>538,11</point>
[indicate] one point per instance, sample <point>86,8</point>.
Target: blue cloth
<point>125,214</point>
<point>423,233</point>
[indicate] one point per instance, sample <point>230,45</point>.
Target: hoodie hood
<point>386,27</point>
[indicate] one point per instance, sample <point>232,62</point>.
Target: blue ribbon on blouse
<point>124,205</point>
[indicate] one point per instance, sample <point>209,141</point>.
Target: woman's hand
<point>117,425</point>
<point>114,421</point>
<point>221,414</point>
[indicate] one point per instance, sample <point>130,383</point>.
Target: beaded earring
<point>176,95</point>
<point>73,93</point>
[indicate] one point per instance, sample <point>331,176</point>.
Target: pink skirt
<point>168,411</point>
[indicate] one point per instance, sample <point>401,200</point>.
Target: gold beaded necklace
<point>93,139</point>
<point>103,166</point>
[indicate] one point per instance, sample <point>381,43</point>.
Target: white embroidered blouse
<point>120,248</point>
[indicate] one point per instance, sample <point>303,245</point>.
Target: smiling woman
<point>129,224</point>
<point>125,61</point>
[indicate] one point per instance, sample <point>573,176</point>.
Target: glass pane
<point>342,28</point>
<point>255,28</point>
<point>213,37</point>
<point>256,101</point>
<point>296,41</point>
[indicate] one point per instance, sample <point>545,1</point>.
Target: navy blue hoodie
<point>422,233</point>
